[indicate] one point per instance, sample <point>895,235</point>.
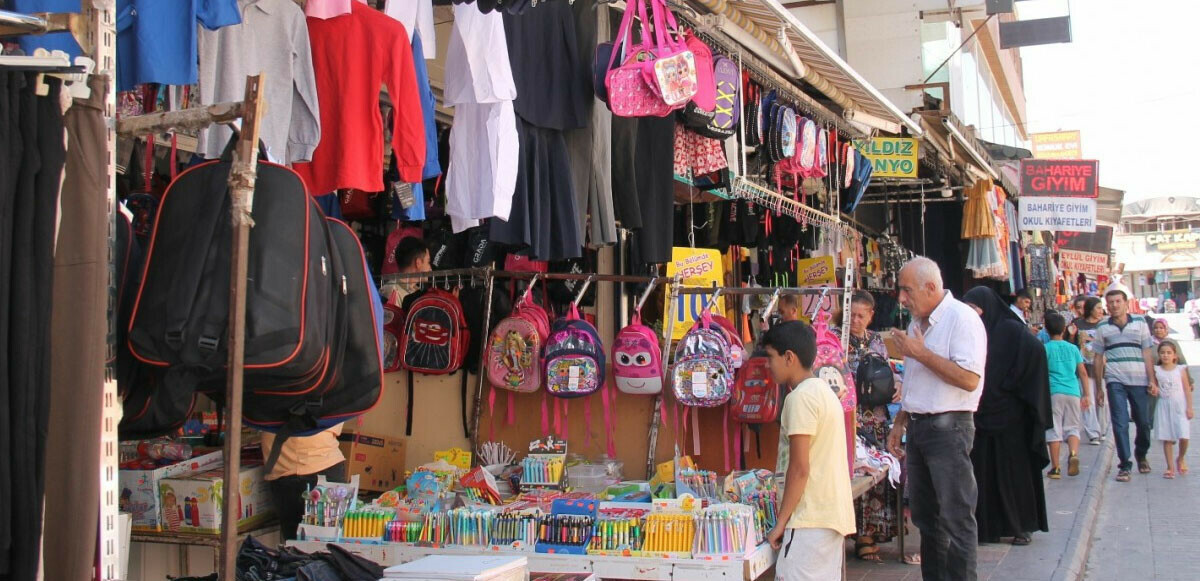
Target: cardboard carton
<point>377,459</point>
<point>139,489</point>
<point>191,503</point>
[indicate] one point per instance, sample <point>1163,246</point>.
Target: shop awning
<point>1109,206</point>
<point>821,66</point>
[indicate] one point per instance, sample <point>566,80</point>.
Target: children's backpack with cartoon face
<point>728,103</point>
<point>703,372</point>
<point>574,356</point>
<point>830,363</point>
<point>514,352</point>
<point>755,395</point>
<point>637,359</point>
<point>436,338</point>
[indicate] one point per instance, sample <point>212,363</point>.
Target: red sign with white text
<point>1070,178</point>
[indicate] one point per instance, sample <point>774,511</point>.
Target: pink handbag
<point>653,79</point>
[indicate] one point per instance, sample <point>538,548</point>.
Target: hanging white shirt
<point>416,15</point>
<point>483,141</point>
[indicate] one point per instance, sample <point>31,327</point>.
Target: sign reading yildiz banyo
<point>891,157</point>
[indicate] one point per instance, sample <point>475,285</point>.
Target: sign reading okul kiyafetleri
<point>1057,214</point>
<point>891,157</point>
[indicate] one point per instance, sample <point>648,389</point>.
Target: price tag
<point>573,377</point>
<point>700,383</point>
<point>404,194</point>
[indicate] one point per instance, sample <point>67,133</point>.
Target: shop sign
<point>891,157</point>
<point>1060,177</point>
<point>816,271</point>
<point>1173,240</point>
<point>1085,262</point>
<point>1099,241</point>
<point>1058,214</point>
<point>1056,145</point>
<point>698,267</point>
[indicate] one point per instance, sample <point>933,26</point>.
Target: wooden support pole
<point>241,189</point>
<point>187,119</point>
<point>477,410</point>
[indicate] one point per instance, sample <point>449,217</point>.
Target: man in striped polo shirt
<point>1125,359</point>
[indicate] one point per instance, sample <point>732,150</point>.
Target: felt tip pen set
<point>515,530</point>
<point>403,531</point>
<point>565,530</point>
<point>616,534</point>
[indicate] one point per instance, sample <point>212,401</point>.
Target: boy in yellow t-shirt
<point>817,510</point>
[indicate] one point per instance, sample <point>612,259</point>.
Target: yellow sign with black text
<point>891,157</point>
<point>698,267</point>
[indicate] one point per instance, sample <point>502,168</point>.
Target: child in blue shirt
<point>1068,395</point>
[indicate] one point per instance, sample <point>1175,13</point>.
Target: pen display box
<point>568,528</point>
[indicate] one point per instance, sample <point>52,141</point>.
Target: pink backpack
<point>514,352</point>
<point>637,359</point>
<point>830,365</point>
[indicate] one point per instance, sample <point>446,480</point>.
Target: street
<point>1100,529</point>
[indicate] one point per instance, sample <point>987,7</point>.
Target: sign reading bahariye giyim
<point>1077,178</point>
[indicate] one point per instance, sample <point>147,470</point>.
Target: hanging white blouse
<point>483,140</point>
<point>417,16</point>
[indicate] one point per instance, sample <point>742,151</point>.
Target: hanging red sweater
<point>353,56</point>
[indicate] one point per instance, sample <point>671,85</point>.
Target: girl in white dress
<point>1174,407</point>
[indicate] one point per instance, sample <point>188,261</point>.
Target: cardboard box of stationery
<point>139,489</point>
<point>376,458</point>
<point>191,502</point>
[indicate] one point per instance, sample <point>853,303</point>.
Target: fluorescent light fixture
<point>873,121</point>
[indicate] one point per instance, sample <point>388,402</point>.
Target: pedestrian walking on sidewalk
<point>1010,438</point>
<point>1174,407</point>
<point>1125,359</point>
<point>1095,418</point>
<point>944,353</point>
<point>1068,396</point>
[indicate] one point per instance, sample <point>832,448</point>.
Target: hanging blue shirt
<point>54,41</point>
<point>433,166</point>
<point>156,39</point>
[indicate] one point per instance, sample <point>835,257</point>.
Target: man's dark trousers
<point>942,493</point>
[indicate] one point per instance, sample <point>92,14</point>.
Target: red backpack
<point>755,395</point>
<point>436,336</point>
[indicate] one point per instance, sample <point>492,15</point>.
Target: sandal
<point>866,549</point>
<point>1022,540</point>
<point>914,559</point>
<point>1183,467</point>
<point>1122,476</point>
<point>1169,474</point>
<point>1073,465</point>
<point>1144,466</point>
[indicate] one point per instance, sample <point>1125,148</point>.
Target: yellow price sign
<point>697,267</point>
<point>454,457</point>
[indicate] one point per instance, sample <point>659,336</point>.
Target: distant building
<point>1157,247</point>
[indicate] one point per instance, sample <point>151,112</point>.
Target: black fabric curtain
<point>32,153</point>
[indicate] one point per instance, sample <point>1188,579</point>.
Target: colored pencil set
<point>670,533</point>
<point>541,470</point>
<point>617,532</point>
<point>765,515</point>
<point>565,529</point>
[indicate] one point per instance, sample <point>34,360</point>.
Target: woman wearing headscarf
<point>1010,426</point>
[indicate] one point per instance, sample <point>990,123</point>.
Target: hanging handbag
<point>653,79</point>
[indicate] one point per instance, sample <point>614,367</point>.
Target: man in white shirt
<point>944,353</point>
<point>1022,305</point>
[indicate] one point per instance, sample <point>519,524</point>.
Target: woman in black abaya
<point>1010,426</point>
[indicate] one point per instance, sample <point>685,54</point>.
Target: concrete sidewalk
<point>1060,555</point>
<point>1150,526</point>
